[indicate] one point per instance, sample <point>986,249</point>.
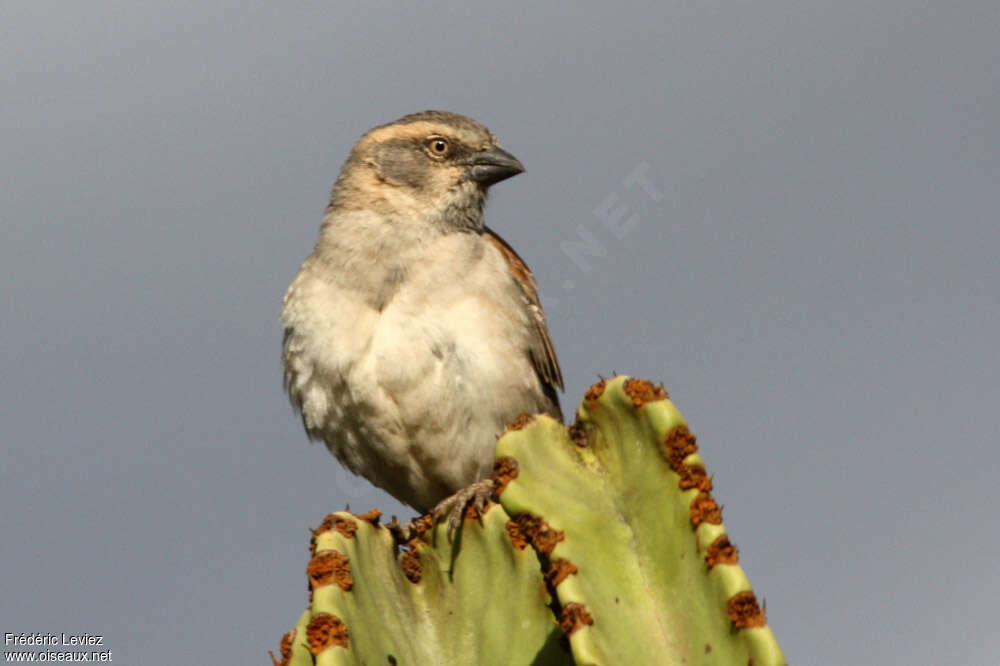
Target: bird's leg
<point>475,496</point>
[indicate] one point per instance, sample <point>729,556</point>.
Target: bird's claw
<point>457,506</point>
<point>400,532</point>
<point>414,529</point>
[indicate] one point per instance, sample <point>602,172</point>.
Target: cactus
<point>606,548</point>
<point>433,601</point>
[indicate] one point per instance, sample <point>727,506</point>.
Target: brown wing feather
<point>543,355</point>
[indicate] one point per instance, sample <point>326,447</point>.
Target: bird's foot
<point>414,529</point>
<point>472,499</point>
<point>399,531</point>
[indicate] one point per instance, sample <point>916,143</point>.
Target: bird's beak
<point>492,166</point>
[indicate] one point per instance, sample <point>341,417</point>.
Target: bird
<point>413,333</point>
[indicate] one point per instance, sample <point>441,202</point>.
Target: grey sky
<point>817,288</point>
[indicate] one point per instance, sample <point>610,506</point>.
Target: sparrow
<point>413,334</point>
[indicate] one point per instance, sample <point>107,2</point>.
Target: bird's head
<point>433,165</point>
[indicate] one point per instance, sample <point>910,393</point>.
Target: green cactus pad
<point>628,560</point>
<point>619,509</point>
<point>477,600</point>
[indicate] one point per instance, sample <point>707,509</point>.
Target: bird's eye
<point>437,146</point>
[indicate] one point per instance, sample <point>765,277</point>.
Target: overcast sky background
<point>817,287</point>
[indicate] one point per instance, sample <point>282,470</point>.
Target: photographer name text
<point>41,638</point>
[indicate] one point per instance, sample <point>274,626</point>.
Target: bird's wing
<point>543,355</point>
